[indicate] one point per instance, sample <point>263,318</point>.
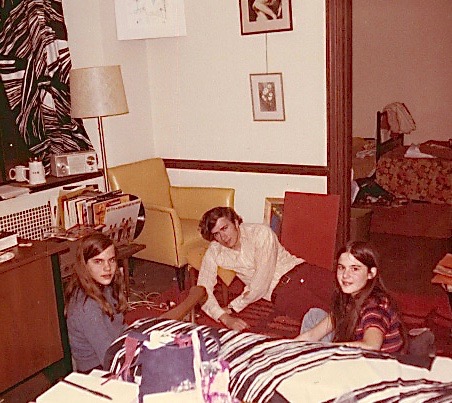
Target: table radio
<point>80,162</point>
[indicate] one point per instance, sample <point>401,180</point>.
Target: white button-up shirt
<point>260,263</point>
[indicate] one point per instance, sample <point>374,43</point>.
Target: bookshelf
<point>28,214</point>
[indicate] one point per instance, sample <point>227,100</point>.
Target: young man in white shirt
<point>254,252</point>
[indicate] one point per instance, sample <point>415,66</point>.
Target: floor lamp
<point>97,92</point>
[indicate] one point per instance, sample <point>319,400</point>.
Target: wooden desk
<point>33,331</point>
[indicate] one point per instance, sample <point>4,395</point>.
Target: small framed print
<point>273,214</point>
<point>267,96</point>
<point>261,16</point>
<point>141,19</point>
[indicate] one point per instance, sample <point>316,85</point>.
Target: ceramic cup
<point>36,173</point>
<point>18,173</point>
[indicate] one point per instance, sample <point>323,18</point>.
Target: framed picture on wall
<point>141,19</point>
<point>261,16</point>
<point>267,96</point>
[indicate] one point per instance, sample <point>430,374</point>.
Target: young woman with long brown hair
<point>95,300</point>
<point>363,313</point>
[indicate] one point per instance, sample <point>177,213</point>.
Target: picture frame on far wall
<point>143,19</point>
<point>261,16</point>
<point>267,97</point>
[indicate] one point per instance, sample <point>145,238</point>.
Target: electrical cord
<point>150,300</point>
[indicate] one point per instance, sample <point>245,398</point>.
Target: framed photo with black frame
<point>267,97</point>
<point>261,16</point>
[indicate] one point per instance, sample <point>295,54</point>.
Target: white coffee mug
<point>36,173</point>
<point>18,173</point>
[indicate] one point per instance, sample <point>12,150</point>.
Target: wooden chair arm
<point>196,295</point>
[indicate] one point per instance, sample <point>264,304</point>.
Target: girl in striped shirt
<point>363,313</point>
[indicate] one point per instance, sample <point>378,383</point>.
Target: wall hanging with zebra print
<point>34,73</point>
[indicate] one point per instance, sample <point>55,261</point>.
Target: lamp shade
<point>97,91</point>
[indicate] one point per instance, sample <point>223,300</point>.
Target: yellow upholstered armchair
<point>172,213</point>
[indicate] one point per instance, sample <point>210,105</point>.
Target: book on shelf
<point>74,205</point>
<point>121,220</point>
<point>100,207</point>
<point>83,209</point>
<point>7,240</point>
<point>65,203</point>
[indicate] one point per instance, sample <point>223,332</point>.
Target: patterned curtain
<point>34,69</point>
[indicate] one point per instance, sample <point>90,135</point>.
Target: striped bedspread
<point>302,371</point>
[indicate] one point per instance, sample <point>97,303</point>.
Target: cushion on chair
<point>190,231</point>
<point>147,179</point>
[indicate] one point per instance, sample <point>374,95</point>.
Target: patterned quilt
<point>259,364</point>
<point>424,179</point>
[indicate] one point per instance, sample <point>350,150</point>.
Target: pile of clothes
<point>370,192</point>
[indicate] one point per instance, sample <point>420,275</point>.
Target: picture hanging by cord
<point>261,16</point>
<point>141,19</point>
<point>267,97</point>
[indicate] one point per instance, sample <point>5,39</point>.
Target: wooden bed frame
<point>384,145</point>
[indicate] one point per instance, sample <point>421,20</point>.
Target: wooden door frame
<point>339,107</point>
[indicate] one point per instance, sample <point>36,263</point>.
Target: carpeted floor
<point>432,311</point>
<point>407,261</point>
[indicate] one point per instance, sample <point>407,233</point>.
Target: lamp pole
<point>100,127</point>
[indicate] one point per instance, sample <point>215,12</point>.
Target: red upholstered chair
<point>309,227</point>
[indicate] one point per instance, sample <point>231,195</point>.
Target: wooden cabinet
<point>32,332</point>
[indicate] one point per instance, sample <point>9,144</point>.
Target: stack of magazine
<point>82,209</point>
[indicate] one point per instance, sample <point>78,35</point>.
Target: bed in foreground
<point>309,372</point>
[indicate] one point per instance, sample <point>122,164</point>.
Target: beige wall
<point>402,51</point>
<point>201,92</point>
<point>189,97</point>
<point>92,42</point>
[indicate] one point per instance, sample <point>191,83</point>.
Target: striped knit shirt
<point>379,313</point>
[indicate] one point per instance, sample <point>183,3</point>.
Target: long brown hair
<point>81,280</point>
<point>346,308</point>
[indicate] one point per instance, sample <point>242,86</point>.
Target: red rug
<point>433,312</point>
